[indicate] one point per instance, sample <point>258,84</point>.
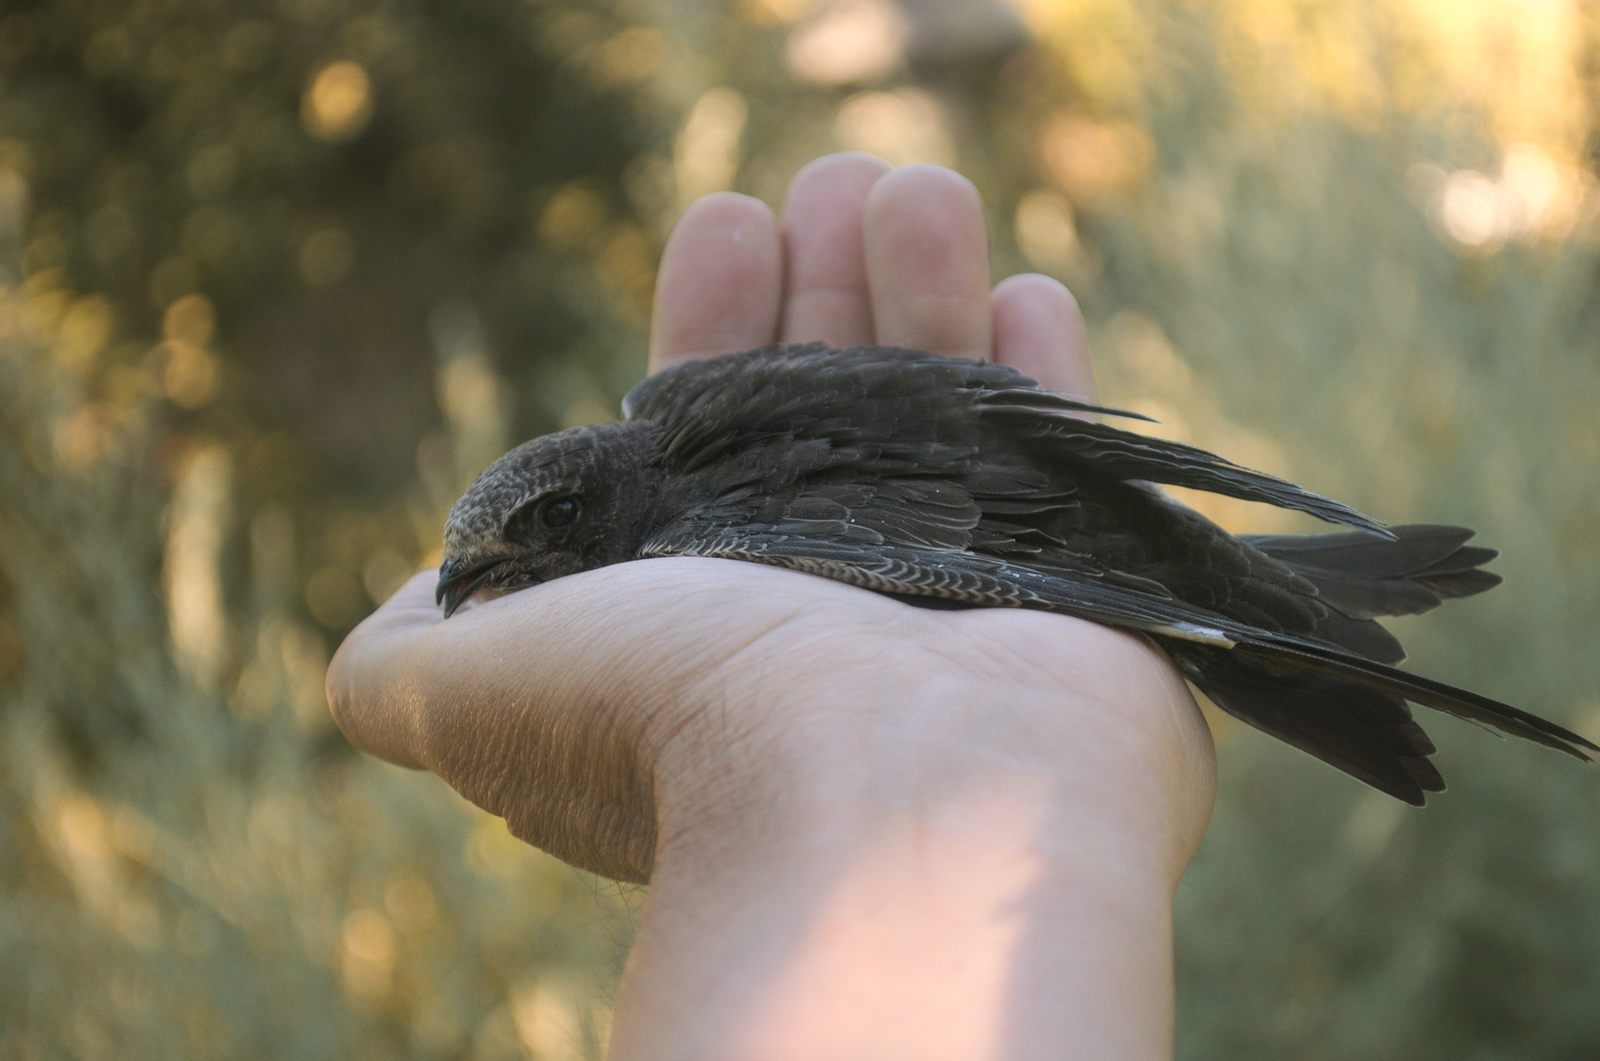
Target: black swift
<point>966,484</point>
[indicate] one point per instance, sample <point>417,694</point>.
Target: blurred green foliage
<point>276,278</point>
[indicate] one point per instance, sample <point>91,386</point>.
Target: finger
<point>1039,330</point>
<point>720,280</point>
<point>825,293</point>
<point>928,262</point>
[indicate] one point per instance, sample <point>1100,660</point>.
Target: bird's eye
<point>537,523</point>
<point>558,512</point>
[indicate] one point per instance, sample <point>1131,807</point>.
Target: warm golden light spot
<point>625,260</point>
<point>1045,230</point>
<point>706,152</point>
<point>255,692</point>
<point>1535,197</point>
<point>338,102</point>
<point>1469,209</point>
<point>1044,17</point>
<point>550,1016</point>
<point>190,320</point>
<point>1534,182</point>
<point>367,955</point>
<point>632,55</point>
<point>41,313</point>
<point>81,837</point>
<point>48,250</point>
<point>851,42</point>
<point>901,127</point>
<point>776,12</point>
<point>84,331</point>
<point>189,373</point>
<point>200,509</point>
<point>82,438</point>
<point>570,214</point>
<point>470,389</point>
<point>1093,160</point>
<point>492,852</point>
<point>82,828</point>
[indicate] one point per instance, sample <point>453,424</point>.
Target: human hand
<point>745,727</point>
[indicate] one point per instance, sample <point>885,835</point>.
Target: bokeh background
<point>278,277</point>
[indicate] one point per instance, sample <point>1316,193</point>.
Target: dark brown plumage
<point>964,483</point>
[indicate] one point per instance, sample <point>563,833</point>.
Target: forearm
<point>894,903</point>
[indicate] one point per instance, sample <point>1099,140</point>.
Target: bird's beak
<point>458,579</point>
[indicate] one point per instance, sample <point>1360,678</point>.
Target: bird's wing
<point>892,397</point>
<point>873,511</point>
<point>905,403</point>
<point>927,512</point>
<point>1125,455</point>
<point>969,579</point>
<point>948,575</point>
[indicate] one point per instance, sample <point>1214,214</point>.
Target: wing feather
<point>982,581</point>
<point>908,406</point>
<point>1124,455</point>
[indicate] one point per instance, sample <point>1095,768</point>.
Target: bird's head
<point>555,506</point>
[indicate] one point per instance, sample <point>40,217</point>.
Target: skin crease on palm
<point>781,755</point>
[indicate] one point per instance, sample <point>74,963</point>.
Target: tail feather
<point>1367,733</point>
<point>1336,696</point>
<point>1288,654</point>
<point>1366,636</point>
<point>1363,576</point>
<point>1448,580</point>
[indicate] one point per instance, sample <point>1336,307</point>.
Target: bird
<point>961,483</point>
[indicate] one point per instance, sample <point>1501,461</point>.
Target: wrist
<point>950,847</point>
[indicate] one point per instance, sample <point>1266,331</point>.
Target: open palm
<point>596,711</point>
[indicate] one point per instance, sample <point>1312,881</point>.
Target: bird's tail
<point>1351,711</point>
<point>1341,700</point>
<point>1362,575</point>
<point>1367,733</point>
